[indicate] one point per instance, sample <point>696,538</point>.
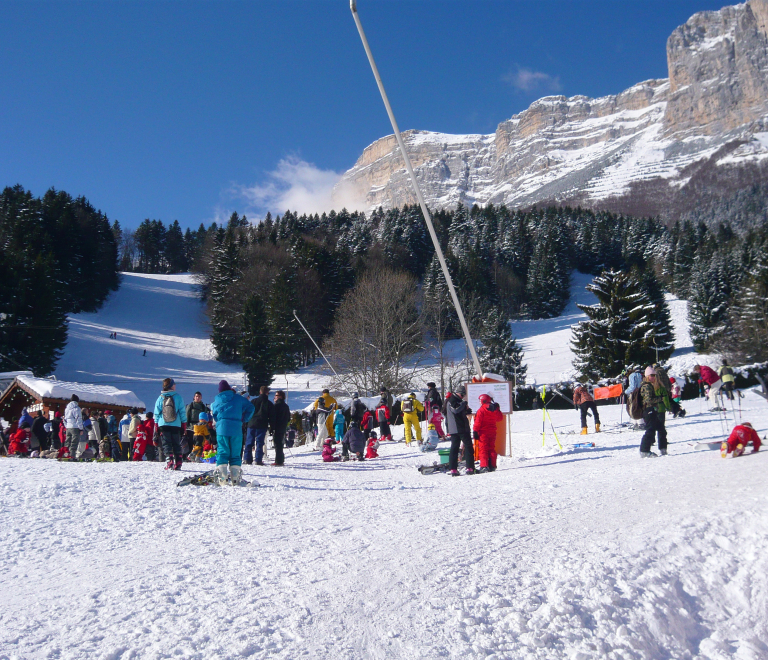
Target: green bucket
<point>444,455</point>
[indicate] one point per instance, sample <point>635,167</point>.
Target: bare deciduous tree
<point>377,334</point>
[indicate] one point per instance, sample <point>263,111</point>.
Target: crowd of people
<point>233,429</point>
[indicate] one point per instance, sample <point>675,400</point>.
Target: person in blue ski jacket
<point>230,411</point>
<point>171,417</point>
<point>338,423</point>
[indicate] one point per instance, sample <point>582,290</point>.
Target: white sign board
<point>501,393</point>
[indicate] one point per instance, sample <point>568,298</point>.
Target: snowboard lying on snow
<point>209,479</point>
<point>705,445</point>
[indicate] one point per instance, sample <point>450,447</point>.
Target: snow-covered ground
<point>591,553</point>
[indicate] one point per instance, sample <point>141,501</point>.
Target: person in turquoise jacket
<point>170,417</point>
<point>338,423</point>
<point>230,411</point>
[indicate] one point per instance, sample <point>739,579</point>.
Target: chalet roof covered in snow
<point>86,392</point>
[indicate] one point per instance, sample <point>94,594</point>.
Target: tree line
<point>58,256</point>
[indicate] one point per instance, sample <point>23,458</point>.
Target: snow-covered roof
<point>60,389</point>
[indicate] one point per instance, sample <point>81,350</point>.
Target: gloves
<point>475,435</point>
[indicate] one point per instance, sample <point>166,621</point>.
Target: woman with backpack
<point>170,415</point>
<point>655,400</point>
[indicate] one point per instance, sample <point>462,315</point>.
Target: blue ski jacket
<point>231,411</point>
<point>181,413</point>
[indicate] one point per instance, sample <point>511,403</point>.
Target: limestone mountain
<point>669,147</point>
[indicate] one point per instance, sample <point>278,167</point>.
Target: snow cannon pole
<point>321,352</point>
<point>417,190</point>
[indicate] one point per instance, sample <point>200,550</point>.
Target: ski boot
<point>470,471</point>
<point>597,427</point>
<point>220,475</point>
<point>235,474</point>
<point>738,451</point>
<point>663,452</point>
<point>482,470</point>
<point>455,473</point>
<point>170,464</point>
<point>583,430</point>
<point>724,450</point>
<point>648,454</point>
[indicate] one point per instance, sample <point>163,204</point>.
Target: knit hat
<point>650,371</point>
<point>224,386</point>
<point>747,424</point>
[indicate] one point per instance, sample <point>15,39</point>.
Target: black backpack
<point>635,404</point>
<point>381,415</point>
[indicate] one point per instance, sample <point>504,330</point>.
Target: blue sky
<point>189,110</point>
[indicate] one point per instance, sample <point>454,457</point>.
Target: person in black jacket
<point>433,397</point>
<point>262,420</point>
<point>280,425</point>
<point>357,409</point>
<point>457,423</point>
<point>39,436</point>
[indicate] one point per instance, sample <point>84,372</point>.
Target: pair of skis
<point>209,479</point>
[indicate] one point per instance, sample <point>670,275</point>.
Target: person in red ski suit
<point>20,441</point>
<point>382,417</point>
<point>437,418</point>
<point>742,435</point>
<point>484,431</point>
<point>145,434</point>
<point>373,445</point>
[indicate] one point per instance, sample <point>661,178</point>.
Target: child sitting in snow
<point>430,442</point>
<point>201,435</point>
<point>436,419</point>
<point>373,445</point>
<point>328,451</point>
<point>20,441</point>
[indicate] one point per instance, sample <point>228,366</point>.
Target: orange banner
<point>608,392</point>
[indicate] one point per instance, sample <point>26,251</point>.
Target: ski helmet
<point>203,417</point>
<point>484,398</point>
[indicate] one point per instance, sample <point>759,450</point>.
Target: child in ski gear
<point>484,428</point>
<point>382,418</point>
<point>367,423</point>
<point>353,441</point>
<point>372,446</point>
<point>328,451</point>
<point>230,411</point>
<point>740,437</point>
<point>708,376</point>
<point>584,401</point>
<point>411,407</point>
<point>436,419</point>
<point>726,375</point>
<point>200,433</point>
<point>457,413</point>
<point>430,442</point>
<point>263,419</point>
<point>674,392</point>
<point>339,423</point>
<point>20,441</point>
<point>655,405</point>
<point>170,415</point>
<point>140,444</point>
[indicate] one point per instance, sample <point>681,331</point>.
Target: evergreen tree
<point>710,290</point>
<point>549,279</point>
<point>223,312</point>
<point>254,346</point>
<point>748,341</point>
<point>173,250</point>
<point>620,329</point>
<point>499,353</point>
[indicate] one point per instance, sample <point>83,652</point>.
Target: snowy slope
<point>581,554</point>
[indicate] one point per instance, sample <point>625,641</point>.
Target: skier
<point>584,402</point>
<point>171,416</point>
<point>230,411</point>
<point>740,437</point>
<point>433,396</point>
<point>372,446</point>
<point>484,431</point>
<point>357,410</point>
<point>666,382</point>
<point>280,426</point>
<point>726,375</point>
<point>457,423</point>
<point>635,380</point>
<point>339,423</point>
<point>73,422</point>
<point>430,442</point>
<point>328,451</point>
<point>655,405</point>
<point>330,403</point>
<point>323,413</point>
<point>367,423</point>
<point>436,419</point>
<point>353,441</point>
<point>382,417</point>
<point>20,441</point>
<point>263,419</point>
<point>411,408</point>
<point>708,376</point>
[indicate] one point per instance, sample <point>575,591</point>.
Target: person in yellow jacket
<point>411,408</point>
<point>330,403</point>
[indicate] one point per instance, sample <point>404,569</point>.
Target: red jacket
<point>148,426</point>
<point>581,395</point>
<point>486,420</point>
<point>709,376</point>
<point>743,435</point>
<point>19,442</point>
<point>368,420</point>
<point>386,412</point>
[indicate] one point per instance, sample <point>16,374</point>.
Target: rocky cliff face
<point>638,151</point>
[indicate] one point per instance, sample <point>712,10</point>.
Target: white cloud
<point>527,80</point>
<point>299,186</point>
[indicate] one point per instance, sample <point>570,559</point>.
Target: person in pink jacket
<point>484,432</point>
<point>710,377</point>
<point>328,451</point>
<point>437,418</point>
